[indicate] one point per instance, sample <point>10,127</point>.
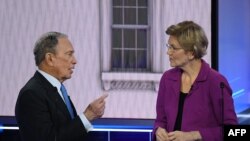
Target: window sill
<point>130,80</point>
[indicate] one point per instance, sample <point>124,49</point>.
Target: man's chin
<point>67,77</point>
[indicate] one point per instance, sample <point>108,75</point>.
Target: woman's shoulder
<point>210,73</point>
<point>171,73</point>
<point>216,75</point>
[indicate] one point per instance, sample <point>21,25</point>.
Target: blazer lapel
<point>53,95</point>
<point>74,110</point>
<point>57,99</point>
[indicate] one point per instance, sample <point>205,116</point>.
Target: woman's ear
<point>190,55</point>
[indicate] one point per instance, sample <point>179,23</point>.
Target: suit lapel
<point>53,95</point>
<point>57,99</point>
<point>74,110</point>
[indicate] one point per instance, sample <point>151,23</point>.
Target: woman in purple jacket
<point>194,101</point>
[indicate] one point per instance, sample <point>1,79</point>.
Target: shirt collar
<point>55,82</point>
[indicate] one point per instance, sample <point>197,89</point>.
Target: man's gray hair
<point>46,44</point>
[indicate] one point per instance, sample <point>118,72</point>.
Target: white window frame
<point>131,80</point>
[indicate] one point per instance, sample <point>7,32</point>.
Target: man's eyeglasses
<point>173,48</point>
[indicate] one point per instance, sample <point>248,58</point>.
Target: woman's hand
<point>184,136</point>
<point>161,134</point>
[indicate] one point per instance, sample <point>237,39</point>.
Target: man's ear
<point>49,59</point>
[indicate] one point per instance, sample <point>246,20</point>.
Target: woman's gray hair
<point>190,36</point>
<point>46,44</point>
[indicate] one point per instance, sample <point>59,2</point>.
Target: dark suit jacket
<point>42,115</point>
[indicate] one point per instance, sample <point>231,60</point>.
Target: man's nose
<point>74,60</point>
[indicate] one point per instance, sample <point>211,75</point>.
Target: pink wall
<point>23,21</point>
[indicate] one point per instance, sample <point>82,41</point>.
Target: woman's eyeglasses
<point>173,48</point>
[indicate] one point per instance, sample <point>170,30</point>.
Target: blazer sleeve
<point>160,120</point>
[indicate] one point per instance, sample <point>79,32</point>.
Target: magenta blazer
<point>202,109</point>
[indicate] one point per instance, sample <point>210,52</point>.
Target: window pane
<point>142,16</point>
<point>116,59</point>
<point>116,38</point>
<point>117,15</point>
<point>129,38</point>
<point>142,2</point>
<point>142,59</point>
<point>141,38</point>
<point>129,44</point>
<point>130,16</point>
<point>130,2</point>
<point>129,59</point>
<point>117,2</point>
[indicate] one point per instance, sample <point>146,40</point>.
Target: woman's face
<point>178,57</point>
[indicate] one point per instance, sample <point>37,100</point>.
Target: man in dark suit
<point>43,112</point>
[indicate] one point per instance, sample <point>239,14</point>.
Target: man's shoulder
<point>35,83</point>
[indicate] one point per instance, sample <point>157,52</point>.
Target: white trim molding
<point>128,80</point>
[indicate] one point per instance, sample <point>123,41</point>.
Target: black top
<point>177,125</point>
